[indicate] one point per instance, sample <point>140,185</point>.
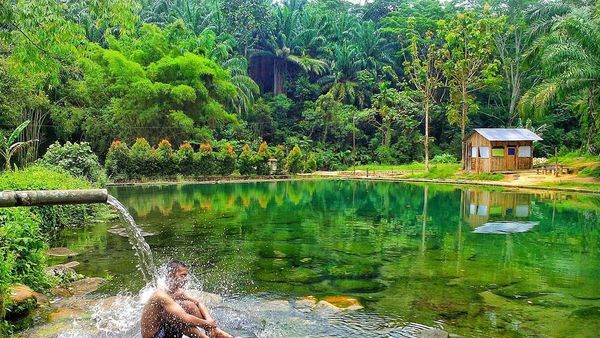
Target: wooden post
<point>51,197</point>
<point>556,161</point>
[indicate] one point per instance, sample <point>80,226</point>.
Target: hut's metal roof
<point>507,134</point>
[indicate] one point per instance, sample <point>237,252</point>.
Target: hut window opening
<point>511,151</point>
<point>525,151</point>
<point>474,152</point>
<point>498,152</point>
<point>484,152</point>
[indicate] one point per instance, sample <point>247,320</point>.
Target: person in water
<point>173,313</point>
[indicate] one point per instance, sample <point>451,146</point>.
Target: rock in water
<point>414,330</point>
<point>85,286</point>
<point>61,252</point>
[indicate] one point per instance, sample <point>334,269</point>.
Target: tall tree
<point>570,57</point>
<point>423,69</point>
<point>469,65</point>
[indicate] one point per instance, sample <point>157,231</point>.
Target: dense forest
<point>369,82</point>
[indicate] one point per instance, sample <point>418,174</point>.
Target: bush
<point>78,159</point>
<point>22,258</point>
<point>185,159</point>
<point>165,161</point>
<point>204,160</point>
<point>294,163</point>
<point>226,159</point>
<point>142,159</point>
<point>262,159</point>
<point>278,153</point>
<point>384,155</point>
<point>311,164</point>
<point>43,177</point>
<point>444,158</point>
<point>246,161</point>
<point>118,164</point>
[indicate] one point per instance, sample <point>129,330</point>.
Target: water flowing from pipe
<point>139,244</point>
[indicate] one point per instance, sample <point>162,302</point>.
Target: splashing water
<point>142,249</point>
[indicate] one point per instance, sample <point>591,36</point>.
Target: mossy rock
<point>303,276</point>
<point>357,248</point>
<point>353,271</point>
<point>358,286</point>
<point>592,312</point>
<point>522,291</point>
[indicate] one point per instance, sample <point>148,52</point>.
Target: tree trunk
<point>463,123</point>
<point>278,74</point>
<point>427,135</point>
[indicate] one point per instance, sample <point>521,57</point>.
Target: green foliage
<point>246,161</point>
<point>76,158</point>
<point>294,162</point>
<point>262,159</point>
<point>118,164</point>
<point>165,159</point>
<point>21,242</point>
<point>9,145</point>
<point>142,159</point>
<point>384,155</point>
<point>42,177</point>
<point>205,162</point>
<point>310,166</point>
<point>185,159</point>
<point>226,159</point>
<point>444,158</point>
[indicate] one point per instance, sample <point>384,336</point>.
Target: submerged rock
<point>61,252</point>
<point>65,314</point>
<point>587,313</point>
<point>360,286</point>
<point>421,331</point>
<point>344,302</point>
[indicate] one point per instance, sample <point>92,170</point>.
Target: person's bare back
<point>173,313</point>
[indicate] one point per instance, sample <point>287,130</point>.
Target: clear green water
<point>404,259</point>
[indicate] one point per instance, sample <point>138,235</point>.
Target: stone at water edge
<point>72,264</point>
<point>61,252</point>
<point>22,300</point>
<point>65,314</point>
<point>209,299</point>
<point>86,285</point>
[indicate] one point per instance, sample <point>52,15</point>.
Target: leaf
<point>13,136</point>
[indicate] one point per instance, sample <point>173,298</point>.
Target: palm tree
<point>570,57</point>
<point>287,46</point>
<point>343,82</point>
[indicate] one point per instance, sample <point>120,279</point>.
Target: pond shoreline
<point>336,176</point>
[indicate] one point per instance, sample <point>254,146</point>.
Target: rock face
<point>22,300</point>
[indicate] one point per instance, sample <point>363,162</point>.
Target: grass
<point>437,171</point>
<point>481,177</point>
<point>390,167</point>
<point>574,185</point>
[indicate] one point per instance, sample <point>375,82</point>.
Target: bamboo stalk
<point>51,197</point>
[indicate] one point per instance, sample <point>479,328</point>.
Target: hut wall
<point>493,163</point>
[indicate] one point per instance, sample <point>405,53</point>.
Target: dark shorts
<point>168,331</point>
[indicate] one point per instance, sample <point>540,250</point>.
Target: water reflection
<point>407,251</point>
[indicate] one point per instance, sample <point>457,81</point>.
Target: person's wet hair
<point>174,265</point>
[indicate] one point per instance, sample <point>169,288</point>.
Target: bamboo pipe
<point>51,197</point>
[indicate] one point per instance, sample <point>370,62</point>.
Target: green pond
<point>410,253</point>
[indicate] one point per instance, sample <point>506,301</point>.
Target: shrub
<point>22,243</point>
<point>142,159</point>
<point>185,159</point>
<point>204,160</point>
<point>165,161</point>
<point>294,161</point>
<point>310,166</point>
<point>78,159</point>
<point>43,177</point>
<point>118,164</point>
<point>444,158</point>
<point>22,258</point>
<point>384,155</point>
<point>278,153</point>
<point>226,159</point>
<point>262,159</point>
<point>246,161</point>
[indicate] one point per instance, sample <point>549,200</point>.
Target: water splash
<point>136,238</point>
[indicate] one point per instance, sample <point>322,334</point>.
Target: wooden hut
<point>499,149</point>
